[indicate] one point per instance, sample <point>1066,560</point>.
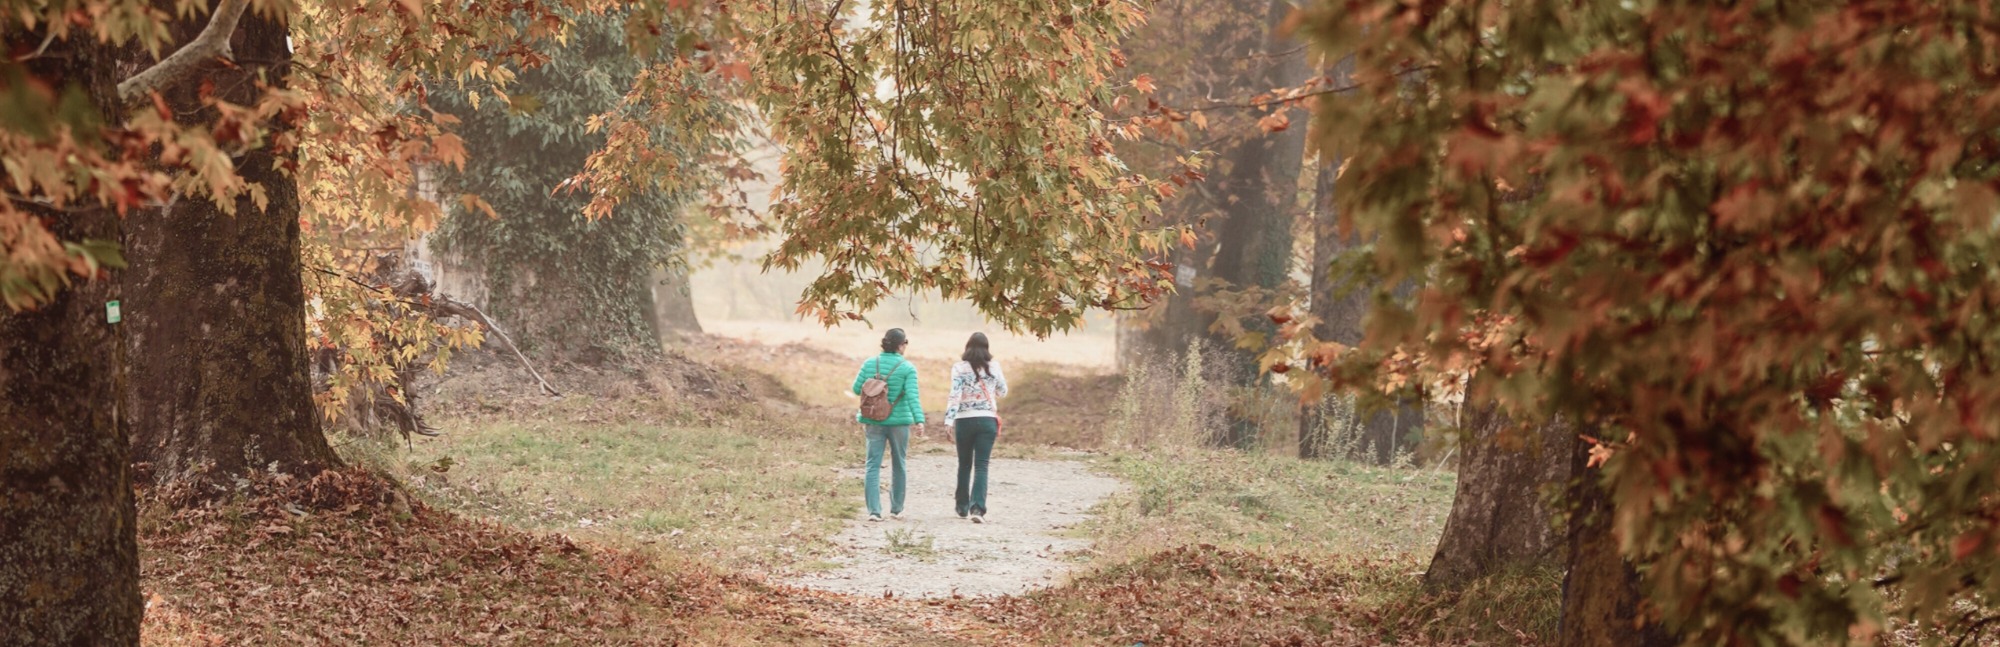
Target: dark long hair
<point>977,355</point>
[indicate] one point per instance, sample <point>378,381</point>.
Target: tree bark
<point>1337,304</point>
<point>69,552</point>
<point>1601,599</point>
<point>221,382</point>
<point>673,301</point>
<point>1502,515</point>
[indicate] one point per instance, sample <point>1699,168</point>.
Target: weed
<point>910,543</point>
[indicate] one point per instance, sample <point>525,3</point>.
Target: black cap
<point>895,337</point>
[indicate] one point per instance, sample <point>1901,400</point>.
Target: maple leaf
<point>1274,122</point>
<point>1143,83</point>
<point>1599,452</point>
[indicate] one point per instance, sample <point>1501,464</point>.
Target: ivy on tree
<point>567,282</point>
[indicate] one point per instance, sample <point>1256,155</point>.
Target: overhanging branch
<point>212,42</point>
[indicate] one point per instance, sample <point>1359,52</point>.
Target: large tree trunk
<point>1502,514</point>
<point>673,301</point>
<point>69,552</point>
<point>1601,599</point>
<point>220,383</point>
<point>585,319</point>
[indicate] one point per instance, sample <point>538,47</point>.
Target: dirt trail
<point>931,552</point>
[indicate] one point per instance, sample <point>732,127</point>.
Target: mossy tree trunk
<point>1602,605</point>
<point>1504,513</point>
<point>69,552</point>
<point>220,383</point>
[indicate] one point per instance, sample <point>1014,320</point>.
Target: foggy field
<point>931,346</point>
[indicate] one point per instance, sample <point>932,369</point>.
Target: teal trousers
<point>897,439</point>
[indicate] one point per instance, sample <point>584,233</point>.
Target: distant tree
<point>1243,213</point>
<point>1339,298</point>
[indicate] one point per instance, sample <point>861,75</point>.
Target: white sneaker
<point>874,517</point>
<point>898,516</point>
<point>978,518</point>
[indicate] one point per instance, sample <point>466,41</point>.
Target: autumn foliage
<point>1753,243</point>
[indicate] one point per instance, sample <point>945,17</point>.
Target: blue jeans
<point>898,440</point>
<point>974,438</point>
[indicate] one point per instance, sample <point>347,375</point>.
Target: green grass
<point>762,496</point>
<point>1259,501</point>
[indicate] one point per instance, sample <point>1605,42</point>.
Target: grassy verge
<point>1222,547</point>
<point>1256,501</point>
<point>763,502</point>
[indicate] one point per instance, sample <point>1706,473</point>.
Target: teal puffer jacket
<point>902,378</point>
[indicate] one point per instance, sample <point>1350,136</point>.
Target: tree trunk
<point>1502,514</point>
<point>673,301</point>
<point>1601,599</point>
<point>1253,191</point>
<point>69,552</point>
<point>1341,304</point>
<point>220,382</point>
<point>589,320</point>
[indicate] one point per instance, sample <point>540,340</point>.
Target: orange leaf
<point>1274,122</point>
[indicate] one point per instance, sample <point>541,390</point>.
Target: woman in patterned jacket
<point>972,412</point>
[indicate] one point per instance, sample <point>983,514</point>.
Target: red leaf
<point>1967,543</point>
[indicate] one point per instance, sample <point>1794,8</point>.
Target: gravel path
<point>931,552</point>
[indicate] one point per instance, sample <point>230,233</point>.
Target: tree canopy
<point>907,184</point>
<point>1751,243</point>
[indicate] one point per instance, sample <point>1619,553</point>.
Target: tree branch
<point>211,43</point>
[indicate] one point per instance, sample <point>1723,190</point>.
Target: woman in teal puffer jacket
<point>893,431</point>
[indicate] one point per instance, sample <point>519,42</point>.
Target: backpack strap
<point>885,383</point>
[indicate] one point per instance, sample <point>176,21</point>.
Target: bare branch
<point>447,305</point>
<point>39,51</point>
<point>213,42</point>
